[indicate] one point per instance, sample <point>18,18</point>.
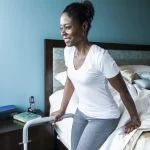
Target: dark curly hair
<point>81,12</point>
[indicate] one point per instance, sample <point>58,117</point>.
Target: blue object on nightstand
<point>7,111</point>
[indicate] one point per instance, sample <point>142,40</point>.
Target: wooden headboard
<point>48,72</point>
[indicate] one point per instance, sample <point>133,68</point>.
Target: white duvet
<point>117,140</point>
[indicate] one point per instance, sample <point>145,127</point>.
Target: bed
<point>132,59</point>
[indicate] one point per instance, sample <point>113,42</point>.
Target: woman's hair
<point>81,12</point>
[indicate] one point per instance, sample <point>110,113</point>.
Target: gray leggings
<point>90,133</point>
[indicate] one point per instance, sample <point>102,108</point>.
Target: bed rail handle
<point>39,121</point>
<point>68,116</point>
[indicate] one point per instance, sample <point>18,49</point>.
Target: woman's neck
<point>82,48</point>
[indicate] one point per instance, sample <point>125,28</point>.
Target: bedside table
<point>41,137</point>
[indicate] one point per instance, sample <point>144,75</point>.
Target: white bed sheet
<point>63,130</point>
<point>117,140</point>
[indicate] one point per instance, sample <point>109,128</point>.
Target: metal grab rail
<point>38,121</point>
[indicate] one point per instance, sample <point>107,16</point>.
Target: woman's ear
<point>85,26</point>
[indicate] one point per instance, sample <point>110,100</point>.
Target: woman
<point>89,69</point>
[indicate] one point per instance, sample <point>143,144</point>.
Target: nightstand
<point>41,137</point>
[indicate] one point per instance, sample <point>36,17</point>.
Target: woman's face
<point>71,31</point>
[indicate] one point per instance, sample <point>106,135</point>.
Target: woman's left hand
<point>133,124</point>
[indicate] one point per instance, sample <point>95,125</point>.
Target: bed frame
<point>48,72</point>
<point>49,44</point>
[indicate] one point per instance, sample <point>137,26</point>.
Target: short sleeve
<point>106,65</point>
<point>66,56</point>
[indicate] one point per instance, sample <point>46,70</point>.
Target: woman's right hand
<point>57,116</point>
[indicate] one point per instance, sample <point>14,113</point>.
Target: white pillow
<point>61,77</point>
<point>137,68</point>
<point>140,68</point>
<point>56,98</point>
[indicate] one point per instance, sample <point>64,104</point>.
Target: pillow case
<point>61,77</point>
<point>144,75</point>
<point>143,83</point>
<point>129,71</point>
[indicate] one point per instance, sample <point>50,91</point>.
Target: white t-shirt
<point>91,84</point>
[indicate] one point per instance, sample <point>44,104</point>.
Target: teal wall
<point>24,24</point>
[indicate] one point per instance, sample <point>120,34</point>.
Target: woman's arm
<point>68,91</point>
<point>118,83</point>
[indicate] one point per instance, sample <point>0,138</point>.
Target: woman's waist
<point>100,111</point>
